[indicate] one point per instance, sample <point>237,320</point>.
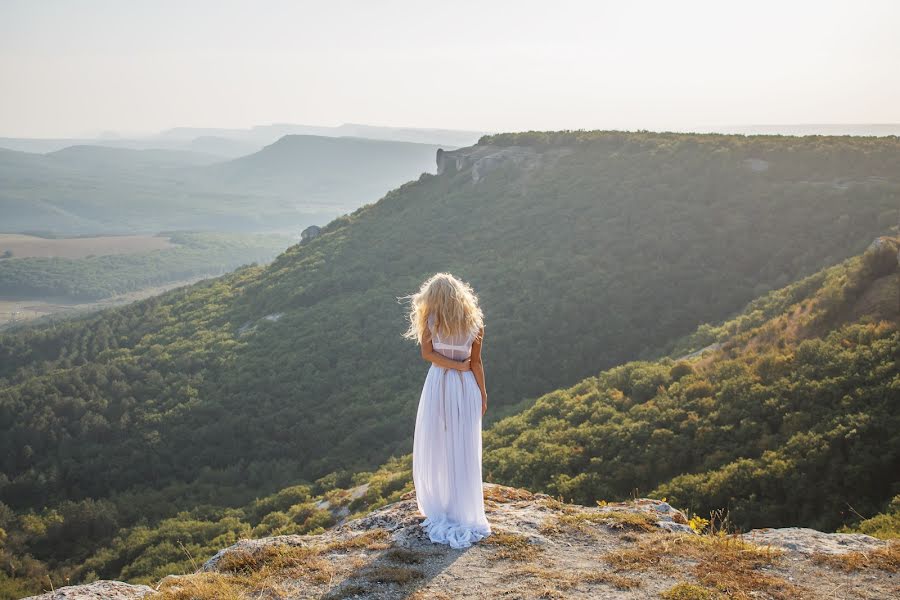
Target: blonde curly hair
<point>453,304</point>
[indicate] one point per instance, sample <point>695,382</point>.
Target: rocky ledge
<point>539,548</point>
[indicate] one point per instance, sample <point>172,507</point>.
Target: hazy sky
<point>71,68</point>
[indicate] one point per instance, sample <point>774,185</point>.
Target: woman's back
<point>457,347</point>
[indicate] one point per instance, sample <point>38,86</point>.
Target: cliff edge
<point>539,548</point>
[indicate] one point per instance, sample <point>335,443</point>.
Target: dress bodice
<point>457,347</point>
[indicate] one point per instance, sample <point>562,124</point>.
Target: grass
<point>347,591</point>
<point>403,555</point>
<point>619,582</point>
<point>689,591</point>
<point>204,586</point>
<point>641,558</point>
<point>723,564</point>
<point>584,522</point>
<point>558,505</point>
<point>247,572</point>
<point>884,559</point>
<point>503,494</point>
<point>512,546</point>
<point>398,575</point>
<point>561,579</point>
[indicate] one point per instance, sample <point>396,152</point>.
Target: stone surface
<point>811,541</point>
<point>539,548</point>
<point>98,590</point>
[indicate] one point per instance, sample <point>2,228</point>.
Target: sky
<point>79,68</point>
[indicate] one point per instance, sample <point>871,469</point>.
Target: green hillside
<point>594,249</point>
<point>737,421</point>
<point>792,421</point>
<point>588,249</point>
<point>95,277</point>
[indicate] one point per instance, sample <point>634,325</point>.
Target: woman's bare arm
<point>478,368</point>
<point>432,355</point>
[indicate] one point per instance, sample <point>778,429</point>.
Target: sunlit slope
<point>790,417</point>
<point>587,249</point>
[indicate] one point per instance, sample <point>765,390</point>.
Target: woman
<point>446,321</point>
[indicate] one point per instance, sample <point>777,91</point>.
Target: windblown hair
<point>453,304</point>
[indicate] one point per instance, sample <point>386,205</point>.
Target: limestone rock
<point>539,548</point>
<point>98,590</point>
<point>484,159</point>
<point>810,541</point>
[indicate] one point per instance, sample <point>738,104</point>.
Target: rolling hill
<point>787,418</point>
<point>335,173</point>
<point>587,248</point>
<point>235,142</point>
<point>786,421</point>
<point>295,182</point>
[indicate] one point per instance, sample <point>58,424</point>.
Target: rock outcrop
<point>310,233</point>
<point>812,542</point>
<point>98,590</point>
<point>539,548</point>
<point>480,160</point>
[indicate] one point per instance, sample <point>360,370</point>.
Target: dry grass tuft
<point>248,572</point>
<point>642,558</point>
<point>689,591</point>
<point>272,556</point>
<point>558,505</point>
<point>375,539</point>
<point>512,546</point>
<point>732,566</point>
<point>502,495</point>
<point>885,559</point>
<point>347,591</point>
<point>584,522</point>
<point>404,555</point>
<point>561,580</point>
<point>617,581</point>
<point>724,564</point>
<point>283,556</point>
<point>205,586</point>
<point>398,575</point>
<point>428,595</point>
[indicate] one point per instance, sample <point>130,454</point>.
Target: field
<point>25,246</point>
<point>20,311</point>
<point>98,268</point>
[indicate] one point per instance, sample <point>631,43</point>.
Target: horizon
<point>139,69</point>
<point>725,129</point>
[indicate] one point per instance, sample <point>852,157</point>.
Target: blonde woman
<point>448,324</point>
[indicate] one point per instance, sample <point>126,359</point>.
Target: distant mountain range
<point>231,143</point>
<point>296,181</point>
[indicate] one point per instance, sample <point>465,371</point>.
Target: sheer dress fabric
<point>447,449</point>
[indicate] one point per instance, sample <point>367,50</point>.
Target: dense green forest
<point>732,428</point>
<point>604,249</point>
<point>96,277</point>
<point>792,421</point>
<point>601,247</point>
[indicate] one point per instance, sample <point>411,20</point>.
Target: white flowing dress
<point>447,449</point>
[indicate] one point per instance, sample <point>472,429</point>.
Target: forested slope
<point>792,421</point>
<point>588,249</point>
<point>789,423</point>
